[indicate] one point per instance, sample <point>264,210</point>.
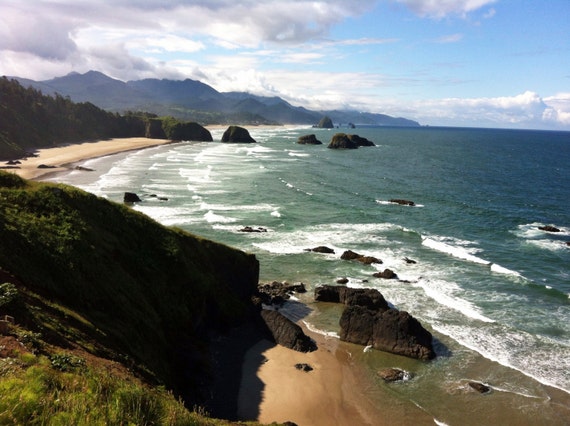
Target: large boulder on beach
<point>287,333</point>
<point>187,131</point>
<point>237,134</point>
<point>388,330</point>
<point>309,140</point>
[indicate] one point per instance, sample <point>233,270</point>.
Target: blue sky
<point>488,63</point>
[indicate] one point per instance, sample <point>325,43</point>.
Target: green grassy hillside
<point>79,273</point>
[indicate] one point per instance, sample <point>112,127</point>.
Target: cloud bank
<point>276,47</point>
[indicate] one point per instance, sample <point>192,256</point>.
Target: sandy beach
<point>334,393</point>
<point>61,158</point>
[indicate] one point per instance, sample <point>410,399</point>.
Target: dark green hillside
<point>30,120</point>
<point>98,276</point>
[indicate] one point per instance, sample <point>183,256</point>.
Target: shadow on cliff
<point>237,391</point>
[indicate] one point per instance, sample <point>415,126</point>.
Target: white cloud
<point>441,8</point>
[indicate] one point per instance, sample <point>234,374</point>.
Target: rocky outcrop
<point>344,141</point>
<point>479,387</point>
<point>394,375</point>
<point>368,320</point>
<point>322,249</point>
<point>367,260</point>
<point>387,274</point>
<point>252,229</point>
<point>287,333</point>
<point>402,202</point>
<point>188,131</point>
<point>237,134</point>
<point>276,293</point>
<point>549,228</point>
<point>386,330</point>
<point>325,123</point>
<point>368,297</point>
<point>131,197</point>
<point>154,129</point>
<point>309,140</point>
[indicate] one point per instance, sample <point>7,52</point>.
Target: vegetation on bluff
<point>30,120</point>
<point>88,279</point>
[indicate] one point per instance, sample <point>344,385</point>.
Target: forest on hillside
<point>30,120</point>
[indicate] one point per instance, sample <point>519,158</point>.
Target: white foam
<point>455,251</point>
<point>443,293</point>
<point>502,270</point>
<point>516,349</point>
<point>314,329</point>
<point>212,217</point>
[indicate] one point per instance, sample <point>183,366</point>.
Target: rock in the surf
<point>394,375</point>
<point>237,134</point>
<point>386,330</point>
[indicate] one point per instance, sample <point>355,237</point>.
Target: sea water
<point>491,286</point>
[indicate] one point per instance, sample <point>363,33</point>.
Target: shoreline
<point>272,389</point>
<point>59,159</point>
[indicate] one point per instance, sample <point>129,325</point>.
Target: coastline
<point>333,393</point>
<point>59,159</point>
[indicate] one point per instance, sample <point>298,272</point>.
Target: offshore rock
<point>549,228</point>
<point>366,297</point>
<point>402,202</point>
<point>387,274</point>
<point>131,197</point>
<point>386,330</point>
<point>344,141</point>
<point>322,249</point>
<point>287,333</point>
<point>325,123</point>
<point>309,140</point>
<point>394,375</point>
<point>237,134</point>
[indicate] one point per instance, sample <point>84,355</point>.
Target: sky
<point>481,63</point>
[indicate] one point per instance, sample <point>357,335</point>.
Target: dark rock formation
<point>322,249</point>
<point>304,367</point>
<point>360,141</point>
<point>387,274</point>
<point>309,140</point>
<point>549,228</point>
<point>479,387</point>
<point>237,134</point>
<point>344,141</point>
<point>287,333</point>
<point>368,297</point>
<point>367,260</point>
<point>394,375</point>
<point>251,229</point>
<point>402,202</point>
<point>387,330</point>
<point>325,123</point>
<point>350,255</point>
<point>188,131</point>
<point>46,166</point>
<point>409,261</point>
<point>131,197</point>
<point>275,293</point>
<point>342,280</point>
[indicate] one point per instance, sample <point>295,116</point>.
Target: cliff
<point>98,276</point>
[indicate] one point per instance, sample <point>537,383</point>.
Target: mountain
<point>193,100</point>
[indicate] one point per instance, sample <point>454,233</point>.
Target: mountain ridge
<point>192,99</point>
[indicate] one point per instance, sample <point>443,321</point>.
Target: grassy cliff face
<point>97,275</point>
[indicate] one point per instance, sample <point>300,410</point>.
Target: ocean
<point>492,287</point>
